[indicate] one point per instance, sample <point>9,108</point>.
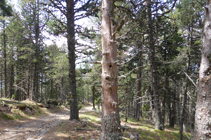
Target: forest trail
<point>38,128</point>
<point>86,109</point>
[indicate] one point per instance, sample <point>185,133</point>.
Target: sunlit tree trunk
<point>203,106</point>
<point>110,124</point>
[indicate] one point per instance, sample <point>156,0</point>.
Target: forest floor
<point>54,124</point>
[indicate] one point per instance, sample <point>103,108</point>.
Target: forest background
<point>158,55</point>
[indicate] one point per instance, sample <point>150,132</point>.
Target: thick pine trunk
<point>203,106</point>
<point>110,124</point>
<point>158,121</point>
<point>71,56</point>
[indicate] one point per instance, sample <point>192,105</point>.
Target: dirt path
<point>86,109</point>
<point>36,129</point>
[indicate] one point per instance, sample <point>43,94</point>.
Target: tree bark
<point>203,106</point>
<point>158,121</point>
<point>11,81</point>
<point>71,56</point>
<point>172,108</point>
<point>5,61</point>
<point>93,97</point>
<point>183,109</point>
<point>1,83</point>
<point>138,85</point>
<point>110,124</point>
<point>28,82</point>
<point>37,36</point>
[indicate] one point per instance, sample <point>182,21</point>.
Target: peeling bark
<point>110,125</point>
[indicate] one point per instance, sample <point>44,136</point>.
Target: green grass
<point>144,127</point>
<point>7,117</point>
<point>17,114</point>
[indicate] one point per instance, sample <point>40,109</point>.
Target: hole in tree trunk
<point>110,66</point>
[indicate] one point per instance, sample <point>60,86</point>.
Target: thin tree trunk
<point>41,88</point>
<point>184,102</point>
<point>186,84</point>
<point>166,89</point>
<point>11,81</point>
<point>203,105</point>
<point>51,92</point>
<point>62,90</point>
<point>36,64</point>
<point>110,121</point>
<point>172,108</point>
<point>93,97</point>
<point>5,61</point>
<point>28,82</point>
<point>138,84</point>
<point>192,119</point>
<point>1,82</point>
<point>71,56</point>
<point>45,87</point>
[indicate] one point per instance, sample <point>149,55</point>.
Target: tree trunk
<point>52,92</point>
<point>11,81</point>
<point>186,86</point>
<point>110,124</point>
<point>17,95</point>
<point>45,95</point>
<point>62,90</point>
<point>71,56</point>
<point>93,97</point>
<point>28,82</point>
<point>203,106</point>
<point>172,108</point>
<point>37,36</point>
<point>41,88</point>
<point>184,103</point>
<point>1,82</point>
<point>138,85</point>
<point>5,61</point>
<point>158,122</point>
